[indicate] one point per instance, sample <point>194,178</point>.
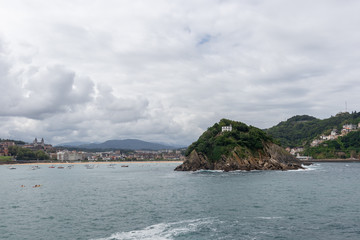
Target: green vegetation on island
<point>214,143</point>
<point>230,145</point>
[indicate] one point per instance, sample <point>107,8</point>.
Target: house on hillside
<point>316,142</point>
<point>348,128</point>
<point>334,132</point>
<point>226,128</point>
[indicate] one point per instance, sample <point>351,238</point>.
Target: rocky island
<point>230,145</point>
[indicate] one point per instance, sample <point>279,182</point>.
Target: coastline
<point>331,160</point>
<point>78,163</point>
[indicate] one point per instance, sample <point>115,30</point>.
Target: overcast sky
<point>164,71</point>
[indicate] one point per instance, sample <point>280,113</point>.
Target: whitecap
<point>208,171</point>
<point>269,218</point>
<point>312,167</point>
<point>161,231</point>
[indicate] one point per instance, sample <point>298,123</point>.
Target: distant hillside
<point>18,142</point>
<point>300,130</point>
<point>130,144</point>
<point>72,144</point>
<point>347,146</point>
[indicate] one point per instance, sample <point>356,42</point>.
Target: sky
<point>164,71</point>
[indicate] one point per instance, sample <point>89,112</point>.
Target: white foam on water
<point>208,171</point>
<point>312,167</point>
<point>306,168</point>
<point>161,231</point>
<point>269,218</point>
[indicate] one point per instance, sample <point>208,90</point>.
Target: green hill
<point>242,148</point>
<point>214,143</point>
<point>301,130</point>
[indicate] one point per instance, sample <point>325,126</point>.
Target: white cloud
<point>166,70</point>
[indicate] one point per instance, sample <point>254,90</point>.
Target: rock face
<point>267,155</point>
<point>275,159</point>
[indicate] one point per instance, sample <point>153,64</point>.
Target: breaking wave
<point>162,231</point>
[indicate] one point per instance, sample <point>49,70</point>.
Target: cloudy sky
<point>164,71</point>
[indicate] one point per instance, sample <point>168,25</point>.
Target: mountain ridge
<point>128,144</point>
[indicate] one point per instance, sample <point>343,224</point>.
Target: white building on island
<point>226,128</point>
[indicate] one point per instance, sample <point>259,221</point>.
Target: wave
<point>269,218</point>
<point>312,167</point>
<point>162,231</point>
<point>208,171</point>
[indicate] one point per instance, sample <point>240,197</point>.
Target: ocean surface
<point>151,201</point>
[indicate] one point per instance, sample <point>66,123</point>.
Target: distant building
<point>303,158</point>
<point>316,142</point>
<point>35,145</point>
<point>69,156</point>
<point>226,128</point>
<point>4,147</point>
<point>296,150</point>
<point>334,132</point>
<point>350,127</point>
<point>323,137</point>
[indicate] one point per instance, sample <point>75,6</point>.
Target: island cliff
<point>230,145</point>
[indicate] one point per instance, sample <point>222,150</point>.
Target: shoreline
<point>331,160</point>
<point>77,163</point>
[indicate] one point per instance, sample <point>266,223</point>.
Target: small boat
<point>12,167</point>
<point>61,167</point>
<point>124,165</point>
<point>111,165</point>
<point>52,166</point>
<point>89,166</point>
<point>35,167</point>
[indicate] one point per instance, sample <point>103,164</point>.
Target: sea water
<point>151,201</point>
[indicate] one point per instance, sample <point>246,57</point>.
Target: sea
<point>151,201</point>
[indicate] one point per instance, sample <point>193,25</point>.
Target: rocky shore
<point>272,158</point>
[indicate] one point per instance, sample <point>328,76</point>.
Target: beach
<point>76,163</point>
